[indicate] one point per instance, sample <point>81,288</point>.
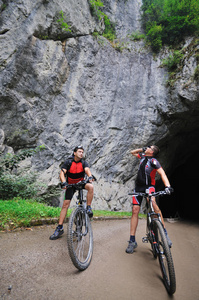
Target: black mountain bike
<point>79,234</point>
<point>156,236</point>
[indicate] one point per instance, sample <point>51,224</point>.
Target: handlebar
<point>147,194</point>
<point>79,185</point>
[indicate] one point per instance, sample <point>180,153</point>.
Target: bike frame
<point>157,237</point>
<point>82,204</point>
<point>151,216</point>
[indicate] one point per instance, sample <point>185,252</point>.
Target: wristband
<point>63,184</point>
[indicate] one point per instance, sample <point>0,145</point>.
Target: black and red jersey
<point>147,170</point>
<point>75,170</point>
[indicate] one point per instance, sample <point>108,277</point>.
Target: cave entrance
<point>184,201</point>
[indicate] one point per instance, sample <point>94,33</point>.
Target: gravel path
<point>34,267</point>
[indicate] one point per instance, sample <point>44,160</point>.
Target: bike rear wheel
<point>80,239</point>
<point>165,258</point>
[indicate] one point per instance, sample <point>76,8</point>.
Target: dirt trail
<point>34,267</point>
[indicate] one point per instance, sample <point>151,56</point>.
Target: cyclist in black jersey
<point>148,167</point>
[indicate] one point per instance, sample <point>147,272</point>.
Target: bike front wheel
<point>80,239</point>
<point>151,239</point>
<point>165,258</point>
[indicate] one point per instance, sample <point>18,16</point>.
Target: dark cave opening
<point>183,203</point>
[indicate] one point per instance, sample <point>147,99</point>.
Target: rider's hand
<point>64,185</point>
<point>168,190</point>
<point>90,178</point>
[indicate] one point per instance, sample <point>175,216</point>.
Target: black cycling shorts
<point>137,200</point>
<point>70,192</point>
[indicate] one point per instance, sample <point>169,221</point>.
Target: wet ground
<point>34,267</point>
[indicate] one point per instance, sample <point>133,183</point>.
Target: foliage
<point>109,31</point>
<point>169,21</point>
<point>173,60</point>
<point>63,22</point>
<point>95,8</point>
<point>196,73</point>
<point>11,161</point>
<point>154,35</point>
<point>136,36</point>
<point>3,7</point>
<point>13,184</point>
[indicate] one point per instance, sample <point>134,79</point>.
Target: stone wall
<point>63,88</point>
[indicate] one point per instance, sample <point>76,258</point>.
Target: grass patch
<point>20,212</point>
<point>114,214</point>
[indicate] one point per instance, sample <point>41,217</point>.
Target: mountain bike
<point>79,233</point>
<point>156,236</point>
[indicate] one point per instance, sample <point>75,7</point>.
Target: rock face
<point>62,89</point>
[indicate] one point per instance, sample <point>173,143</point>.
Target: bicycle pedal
<point>145,239</point>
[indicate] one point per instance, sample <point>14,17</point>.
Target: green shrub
<point>197,57</point>
<point>177,19</point>
<point>95,8</point>
<point>136,36</point>
<point>109,31</point>
<point>63,22</point>
<point>10,161</point>
<point>154,35</point>
<point>196,73</point>
<point>173,60</point>
<point>14,184</point>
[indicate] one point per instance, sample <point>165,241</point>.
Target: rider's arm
<point>62,176</point>
<point>136,152</point>
<point>164,177</point>
<point>88,172</point>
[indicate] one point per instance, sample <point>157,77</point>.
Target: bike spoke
<point>80,239</point>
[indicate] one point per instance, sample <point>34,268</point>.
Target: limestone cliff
<point>63,88</point>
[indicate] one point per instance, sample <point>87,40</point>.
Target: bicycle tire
<point>80,239</point>
<point>150,235</point>
<point>165,258</point>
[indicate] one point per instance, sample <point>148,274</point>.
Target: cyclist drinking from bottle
<point>148,167</point>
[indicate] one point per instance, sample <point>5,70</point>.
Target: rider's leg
<point>134,219</point>
<point>134,222</point>
<point>64,210</point>
<point>89,188</point>
<point>59,230</point>
<point>157,210</point>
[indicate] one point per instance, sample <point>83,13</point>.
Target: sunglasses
<point>78,147</point>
